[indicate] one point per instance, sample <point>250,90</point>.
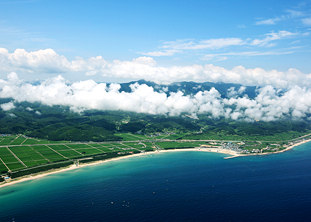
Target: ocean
<point>174,186</point>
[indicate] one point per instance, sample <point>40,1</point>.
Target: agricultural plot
<point>31,153</point>
<point>106,145</point>
<point>2,168</point>
<point>27,155</point>
<point>18,141</point>
<point>7,156</point>
<point>6,141</point>
<point>149,146</point>
<point>9,159</point>
<point>42,162</point>
<point>89,151</point>
<point>70,153</point>
<point>66,151</point>
<point>121,146</point>
<point>135,145</point>
<point>115,144</point>
<point>30,163</point>
<point>36,141</point>
<point>48,153</point>
<point>60,147</point>
<point>105,149</point>
<point>96,145</point>
<point>118,147</point>
<point>78,146</point>
<point>111,148</point>
<point>15,166</point>
<point>162,136</point>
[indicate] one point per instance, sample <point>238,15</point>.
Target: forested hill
<point>59,123</point>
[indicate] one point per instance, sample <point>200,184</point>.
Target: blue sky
<point>74,47</point>
<point>270,35</point>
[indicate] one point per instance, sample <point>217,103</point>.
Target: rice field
<point>19,152</point>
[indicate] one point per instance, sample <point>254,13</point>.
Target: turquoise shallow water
<point>179,186</point>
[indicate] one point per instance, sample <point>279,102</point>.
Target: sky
<point>259,43</point>
<point>270,35</point>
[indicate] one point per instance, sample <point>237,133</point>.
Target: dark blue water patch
<point>181,186</point>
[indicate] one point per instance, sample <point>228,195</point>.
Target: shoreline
<point>281,151</point>
<point>232,154</point>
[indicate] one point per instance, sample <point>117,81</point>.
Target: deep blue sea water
<point>179,186</point>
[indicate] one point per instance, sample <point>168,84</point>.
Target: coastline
<point>281,151</point>
<point>232,154</point>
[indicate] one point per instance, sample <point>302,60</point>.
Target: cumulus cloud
<point>47,60</point>
<point>268,105</point>
<point>7,106</point>
<point>146,68</point>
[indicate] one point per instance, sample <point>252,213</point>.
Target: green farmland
<point>19,153</point>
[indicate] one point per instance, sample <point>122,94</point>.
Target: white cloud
<point>295,14</point>
<point>203,44</point>
<point>306,21</point>
<point>147,68</point>
<point>178,46</point>
<point>7,106</point>
<point>290,15</point>
<point>272,37</point>
<point>47,60</point>
<point>268,21</point>
<point>161,53</point>
<point>170,48</point>
<point>83,95</point>
<point>221,56</point>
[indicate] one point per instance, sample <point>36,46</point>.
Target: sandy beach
<point>232,154</point>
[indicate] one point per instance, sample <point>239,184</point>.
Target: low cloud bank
<point>48,61</point>
<point>7,106</point>
<point>268,105</point>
